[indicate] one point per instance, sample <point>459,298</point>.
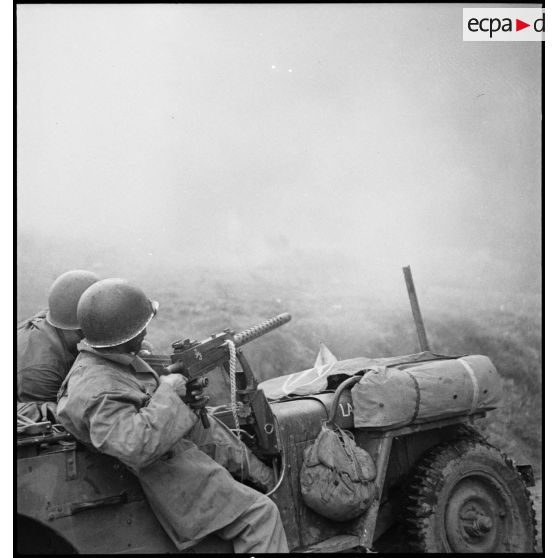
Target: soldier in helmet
<point>113,401</point>
<point>47,342</point>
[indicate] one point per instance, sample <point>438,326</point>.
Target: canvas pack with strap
<point>337,477</point>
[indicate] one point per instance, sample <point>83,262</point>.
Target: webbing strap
<point>417,399</point>
<point>471,372</point>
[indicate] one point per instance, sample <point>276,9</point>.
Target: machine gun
<point>194,359</point>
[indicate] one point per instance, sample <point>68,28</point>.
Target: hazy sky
<point>254,131</point>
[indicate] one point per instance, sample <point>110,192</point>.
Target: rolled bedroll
<point>394,396</point>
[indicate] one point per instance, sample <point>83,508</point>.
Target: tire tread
<point>419,507</point>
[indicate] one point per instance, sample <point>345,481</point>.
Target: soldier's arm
<point>38,383</point>
<point>138,436</point>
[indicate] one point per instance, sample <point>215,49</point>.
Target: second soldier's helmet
<point>64,297</point>
<point>113,311</point>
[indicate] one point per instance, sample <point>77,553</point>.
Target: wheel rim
<point>478,516</point>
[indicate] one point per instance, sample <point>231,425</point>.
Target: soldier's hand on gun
<point>177,382</point>
<point>195,397</point>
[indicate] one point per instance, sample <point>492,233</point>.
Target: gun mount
<point>194,359</point>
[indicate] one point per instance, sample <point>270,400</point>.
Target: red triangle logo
<point>519,25</point>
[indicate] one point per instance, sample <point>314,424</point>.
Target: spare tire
<point>466,496</point>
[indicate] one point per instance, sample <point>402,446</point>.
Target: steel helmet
<point>64,296</point>
<point>113,311</point>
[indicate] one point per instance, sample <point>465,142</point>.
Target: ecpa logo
<point>503,24</point>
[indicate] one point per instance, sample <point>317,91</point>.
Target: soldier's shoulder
<point>99,374</point>
<point>38,344</point>
<point>91,365</point>
<point>33,322</point>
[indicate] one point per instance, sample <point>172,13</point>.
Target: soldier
<point>47,342</point>
<point>113,401</point>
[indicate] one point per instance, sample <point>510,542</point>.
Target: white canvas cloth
<point>312,380</point>
<point>315,379</point>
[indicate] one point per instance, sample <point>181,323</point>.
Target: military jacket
<point>43,359</point>
<point>115,403</point>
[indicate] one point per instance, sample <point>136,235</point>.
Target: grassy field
<point>349,312</point>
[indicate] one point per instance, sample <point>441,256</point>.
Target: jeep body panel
<point>96,504</point>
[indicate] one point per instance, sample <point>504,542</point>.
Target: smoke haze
<point>237,161</point>
<point>289,138</point>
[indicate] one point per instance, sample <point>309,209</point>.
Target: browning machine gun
<point>194,359</point>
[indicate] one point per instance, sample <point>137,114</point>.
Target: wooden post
<point>421,332</point>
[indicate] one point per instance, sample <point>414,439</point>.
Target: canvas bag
<point>389,397</point>
<point>336,478</point>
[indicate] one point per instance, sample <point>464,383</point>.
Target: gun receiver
<point>193,359</point>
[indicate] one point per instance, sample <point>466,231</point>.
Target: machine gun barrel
<point>256,331</point>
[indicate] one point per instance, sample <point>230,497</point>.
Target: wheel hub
<point>476,518</point>
<point>475,523</point>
